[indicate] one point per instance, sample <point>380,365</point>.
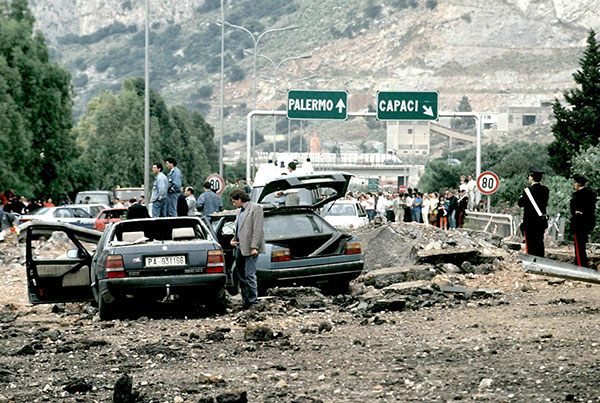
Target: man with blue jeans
<point>175,183</point>
<point>159,191</point>
<point>249,241</point>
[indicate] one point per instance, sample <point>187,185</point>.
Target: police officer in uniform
<point>583,217</point>
<point>533,226</point>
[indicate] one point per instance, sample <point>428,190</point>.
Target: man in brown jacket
<point>249,241</point>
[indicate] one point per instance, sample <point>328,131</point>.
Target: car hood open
<point>336,184</point>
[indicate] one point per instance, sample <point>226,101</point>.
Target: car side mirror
<point>73,254</point>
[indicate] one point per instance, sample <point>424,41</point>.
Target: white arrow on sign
<point>427,110</point>
<point>340,105</point>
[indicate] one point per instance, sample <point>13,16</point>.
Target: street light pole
<point>276,67</point>
<point>222,88</point>
<point>147,111</point>
<point>255,40</point>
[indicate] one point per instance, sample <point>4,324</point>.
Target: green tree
<point>463,123</point>
<point>35,108</point>
<point>577,125</point>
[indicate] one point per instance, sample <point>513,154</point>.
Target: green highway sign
<point>317,105</point>
<point>407,105</point>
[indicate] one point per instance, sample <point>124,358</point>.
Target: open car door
<point>58,261</point>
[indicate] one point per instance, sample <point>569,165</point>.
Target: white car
<point>64,214</point>
<point>345,213</point>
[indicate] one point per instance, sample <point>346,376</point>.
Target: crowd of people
<point>444,209</point>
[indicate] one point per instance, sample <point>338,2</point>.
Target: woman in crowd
<point>433,208</point>
<point>443,212</point>
<point>425,208</point>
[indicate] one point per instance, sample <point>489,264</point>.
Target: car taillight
<point>114,266</point>
<point>353,248</point>
<point>280,255</point>
<point>215,262</point>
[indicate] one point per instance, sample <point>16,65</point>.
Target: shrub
<point>236,74</point>
<point>431,4</point>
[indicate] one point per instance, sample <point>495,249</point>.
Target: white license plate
<point>161,261</point>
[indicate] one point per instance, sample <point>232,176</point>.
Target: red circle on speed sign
<point>488,182</point>
<point>217,184</point>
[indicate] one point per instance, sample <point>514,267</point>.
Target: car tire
<point>218,305</point>
<point>336,287</point>
<point>234,288</point>
<point>106,310</point>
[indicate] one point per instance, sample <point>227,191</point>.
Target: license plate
<point>161,261</point>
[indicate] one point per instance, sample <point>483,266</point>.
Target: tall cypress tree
<point>35,112</point>
<point>577,124</point>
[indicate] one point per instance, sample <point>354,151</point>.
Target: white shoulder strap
<point>532,200</point>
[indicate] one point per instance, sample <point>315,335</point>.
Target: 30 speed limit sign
<point>217,184</point>
<point>488,182</point>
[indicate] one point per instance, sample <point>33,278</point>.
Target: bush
<point>431,4</point>
<point>112,29</point>
<point>204,92</point>
<point>373,11</point>
<point>236,74</point>
<point>80,80</point>
<point>80,64</point>
<point>209,5</point>
<point>102,64</point>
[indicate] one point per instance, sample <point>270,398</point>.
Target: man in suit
<point>534,226</point>
<point>174,190</point>
<point>249,241</point>
<point>583,218</point>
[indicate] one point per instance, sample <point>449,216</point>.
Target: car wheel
<point>335,287</point>
<point>219,304</point>
<point>234,287</point>
<point>107,311</point>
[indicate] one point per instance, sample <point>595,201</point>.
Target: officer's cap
<point>580,179</point>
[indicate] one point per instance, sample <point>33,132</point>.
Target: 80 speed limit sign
<point>488,182</point>
<point>217,184</point>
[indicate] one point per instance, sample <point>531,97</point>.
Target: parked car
<point>108,216</point>
<point>345,213</point>
<point>154,259</point>
<point>105,197</point>
<point>93,209</point>
<point>301,247</point>
<point>123,195</point>
<point>63,214</point>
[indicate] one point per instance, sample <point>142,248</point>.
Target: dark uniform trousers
<point>534,242</point>
<point>583,220</point>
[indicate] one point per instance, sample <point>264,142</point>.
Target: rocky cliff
<point>497,52</point>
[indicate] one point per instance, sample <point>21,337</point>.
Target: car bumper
<point>345,271</point>
<point>199,287</point>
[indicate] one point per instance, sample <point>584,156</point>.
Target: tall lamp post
<point>222,88</point>
<point>147,110</point>
<point>276,67</point>
<point>289,121</point>
<point>255,39</point>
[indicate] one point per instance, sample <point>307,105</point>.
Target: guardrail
<point>502,225</point>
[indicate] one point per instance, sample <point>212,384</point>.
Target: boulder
<point>398,274</point>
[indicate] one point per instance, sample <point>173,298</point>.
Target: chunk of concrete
<point>451,255</point>
<point>384,277</point>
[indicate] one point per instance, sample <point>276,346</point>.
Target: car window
<point>361,210</point>
<point>228,228</point>
<point>40,211</point>
<point>62,213</point>
<point>94,210</point>
<point>81,213</point>
<point>295,226</point>
<point>338,210</point>
<point>103,216</point>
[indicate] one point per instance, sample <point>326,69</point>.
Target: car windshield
<point>285,226</point>
<point>94,198</point>
<point>40,211</point>
<point>332,209</point>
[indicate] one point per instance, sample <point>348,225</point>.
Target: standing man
<point>175,182</point>
<point>190,200</point>
<point>209,202</point>
<point>461,206</point>
<point>583,218</point>
<point>534,224</point>
<point>249,241</point>
<point>471,187</point>
<point>159,191</point>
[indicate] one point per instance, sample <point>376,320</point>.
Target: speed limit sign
<point>217,184</point>
<point>488,182</point>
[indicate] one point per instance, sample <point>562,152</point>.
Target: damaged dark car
<point>162,259</point>
<point>301,247</point>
